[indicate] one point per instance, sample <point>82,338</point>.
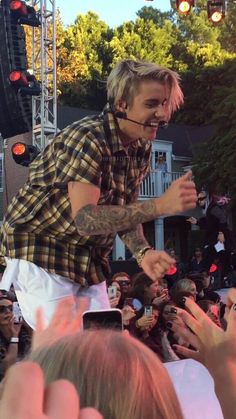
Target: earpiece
<point>121,115</point>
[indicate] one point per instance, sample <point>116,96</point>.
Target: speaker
<point>15,109</point>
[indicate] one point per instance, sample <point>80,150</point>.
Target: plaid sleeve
<point>78,159</point>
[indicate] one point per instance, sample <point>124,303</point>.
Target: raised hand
<point>180,196</point>
<point>66,320</point>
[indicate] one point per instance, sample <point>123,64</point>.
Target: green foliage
<point>204,54</point>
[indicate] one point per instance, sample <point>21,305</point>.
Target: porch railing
<point>156,183</point>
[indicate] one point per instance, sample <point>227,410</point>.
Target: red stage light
<point>18,149</point>
<point>17,5</point>
<point>216,10</point>
<point>23,153</point>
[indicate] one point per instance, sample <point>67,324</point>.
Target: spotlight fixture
<point>24,154</point>
<point>25,83</point>
<point>216,10</point>
<point>24,14</point>
<point>184,6</point>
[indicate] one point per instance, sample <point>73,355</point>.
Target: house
<point>175,145</point>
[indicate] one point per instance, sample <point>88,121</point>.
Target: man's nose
<point>162,112</point>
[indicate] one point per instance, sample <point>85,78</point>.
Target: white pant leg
<point>35,288</point>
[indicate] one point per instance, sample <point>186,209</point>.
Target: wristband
<point>14,339</point>
<point>141,253</point>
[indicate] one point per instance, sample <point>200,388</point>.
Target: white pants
<point>35,288</point>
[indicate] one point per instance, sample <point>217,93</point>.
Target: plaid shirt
<point>38,225</point>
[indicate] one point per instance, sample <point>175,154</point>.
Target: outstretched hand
<point>66,320</point>
<point>215,348</point>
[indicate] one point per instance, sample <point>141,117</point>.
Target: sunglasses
<point>201,198</point>
<point>3,309</point>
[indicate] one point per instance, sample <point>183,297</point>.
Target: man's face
<point>149,107</point>
<point>201,199</point>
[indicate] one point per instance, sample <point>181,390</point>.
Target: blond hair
<point>125,78</point>
<point>113,373</point>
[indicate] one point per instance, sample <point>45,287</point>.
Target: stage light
<point>24,14</point>
<point>24,154</point>
<point>216,10</point>
<point>24,83</point>
<point>184,6</point>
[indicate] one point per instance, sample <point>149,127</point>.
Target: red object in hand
<point>171,271</point>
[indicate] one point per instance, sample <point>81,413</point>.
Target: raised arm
<point>93,219</point>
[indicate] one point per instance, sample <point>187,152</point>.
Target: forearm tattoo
<point>134,239</point>
<point>104,219</point>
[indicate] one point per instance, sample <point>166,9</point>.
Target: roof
<point>184,137</point>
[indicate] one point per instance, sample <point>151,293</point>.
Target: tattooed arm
<point>134,239</point>
<point>93,219</point>
<point>106,219</point>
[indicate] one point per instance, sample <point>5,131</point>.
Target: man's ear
<point>121,106</point>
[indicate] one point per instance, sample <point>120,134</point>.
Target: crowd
<point>110,374</point>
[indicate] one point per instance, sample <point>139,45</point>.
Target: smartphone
<point>148,310</point>
<point>17,315</point>
<point>112,291</point>
<point>103,319</point>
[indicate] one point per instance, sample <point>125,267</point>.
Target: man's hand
<point>156,263</point>
<point>180,196</point>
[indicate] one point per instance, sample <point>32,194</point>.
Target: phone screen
<point>103,319</point>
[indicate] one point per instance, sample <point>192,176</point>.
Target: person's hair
<point>182,286</point>
<point>112,372</point>
<point>119,274</point>
<point>161,320</point>
<point>140,281</point>
<point>125,78</point>
<point>205,304</point>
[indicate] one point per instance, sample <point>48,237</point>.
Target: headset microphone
<point>123,115</point>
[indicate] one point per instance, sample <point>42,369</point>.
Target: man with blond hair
<point>82,190</point>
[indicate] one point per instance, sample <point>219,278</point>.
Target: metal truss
<point>44,107</point>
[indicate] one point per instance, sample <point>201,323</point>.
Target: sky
<point>113,12</point>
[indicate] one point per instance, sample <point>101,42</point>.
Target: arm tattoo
<point>106,219</point>
<point>134,239</point>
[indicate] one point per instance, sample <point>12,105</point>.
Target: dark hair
<point>140,282</point>
<point>205,304</point>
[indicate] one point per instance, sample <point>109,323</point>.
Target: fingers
<point>187,176</point>
<point>231,320</point>
<point>194,309</point>
<point>23,390</point>
<point>61,400</point>
<point>182,332</point>
<point>231,297</point>
<point>187,353</point>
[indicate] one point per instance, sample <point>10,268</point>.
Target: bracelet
<point>141,253</point>
<point>14,339</point>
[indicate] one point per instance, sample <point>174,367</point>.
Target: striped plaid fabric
<point>38,226</point>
